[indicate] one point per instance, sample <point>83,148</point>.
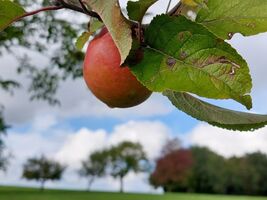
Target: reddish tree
<point>172,171</point>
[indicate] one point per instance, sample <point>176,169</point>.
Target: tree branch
<point>38,11</point>
<point>62,4</point>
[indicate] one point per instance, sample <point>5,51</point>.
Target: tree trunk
<point>90,181</point>
<point>42,185</point>
<point>121,184</point>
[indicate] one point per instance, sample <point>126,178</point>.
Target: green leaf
<point>9,11</point>
<point>215,115</point>
<point>137,10</point>
<point>82,39</point>
<point>117,25</point>
<point>185,57</point>
<point>227,17</point>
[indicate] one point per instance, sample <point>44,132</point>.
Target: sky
<point>82,124</point>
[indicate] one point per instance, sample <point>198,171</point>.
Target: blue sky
<point>83,124</point>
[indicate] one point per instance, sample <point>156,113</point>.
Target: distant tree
<point>172,171</point>
<point>126,157</point>
<point>7,86</point>
<point>94,166</point>
<point>257,174</point>
<point>170,146</point>
<point>247,174</point>
<point>3,158</point>
<point>208,172</point>
<point>237,176</point>
<point>201,170</point>
<point>2,125</point>
<point>42,169</point>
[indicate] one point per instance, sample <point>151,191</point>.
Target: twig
<point>84,7</point>
<point>48,8</point>
<point>62,4</point>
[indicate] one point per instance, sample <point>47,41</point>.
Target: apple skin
<point>111,83</point>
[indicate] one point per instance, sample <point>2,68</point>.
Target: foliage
<point>2,125</point>
<point>9,11</point>
<point>172,171</point>
<point>234,16</point>
<point>209,61</point>
<point>8,86</point>
<point>200,170</point>
<point>247,175</point>
<point>258,176</point>
<point>42,169</point>
<point>207,174</point>
<point>117,161</point>
<point>3,157</point>
<point>170,146</point>
<point>94,166</point>
<point>137,10</point>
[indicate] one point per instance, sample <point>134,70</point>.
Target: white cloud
<point>42,123</point>
<point>79,145</point>
<point>152,135</point>
<point>25,145</point>
<point>228,143</point>
<point>70,148</point>
<point>253,49</point>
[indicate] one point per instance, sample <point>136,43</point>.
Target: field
<point>11,193</point>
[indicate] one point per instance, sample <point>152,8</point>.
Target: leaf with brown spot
<point>227,17</point>
<point>200,63</point>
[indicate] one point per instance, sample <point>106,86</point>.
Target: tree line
<point>193,170</point>
<point>200,170</point>
<point>116,161</point>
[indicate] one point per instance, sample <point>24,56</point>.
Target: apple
<point>111,83</point>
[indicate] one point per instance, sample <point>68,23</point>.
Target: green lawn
<point>10,193</point>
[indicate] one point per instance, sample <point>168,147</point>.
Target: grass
<point>13,193</point>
